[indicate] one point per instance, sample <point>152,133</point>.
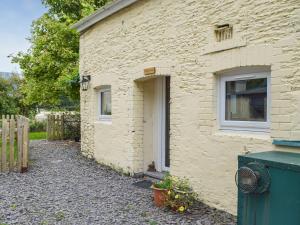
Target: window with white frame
<point>245,101</point>
<point>104,101</point>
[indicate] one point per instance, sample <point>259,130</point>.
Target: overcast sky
<point>16,17</point>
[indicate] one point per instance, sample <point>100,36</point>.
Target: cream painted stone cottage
<point>186,86</point>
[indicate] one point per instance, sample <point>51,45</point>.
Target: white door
<point>159,130</point>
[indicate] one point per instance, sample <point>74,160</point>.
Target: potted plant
<point>160,190</point>
<point>181,196</point>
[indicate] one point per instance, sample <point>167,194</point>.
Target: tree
<point>11,96</point>
<point>72,11</point>
<point>51,62</point>
<point>50,66</point>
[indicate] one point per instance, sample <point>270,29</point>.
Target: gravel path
<point>62,187</point>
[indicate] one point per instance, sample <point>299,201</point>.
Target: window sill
<point>246,129</point>
<point>104,121</point>
<point>244,134</point>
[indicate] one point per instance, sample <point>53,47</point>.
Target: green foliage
<point>59,216</point>
<point>70,10</point>
<point>181,196</point>
<point>11,96</point>
<point>51,62</point>
<point>166,183</point>
<point>50,66</point>
<point>153,223</point>
<point>44,222</point>
<point>37,126</point>
<point>71,126</point>
<point>181,185</point>
<point>13,206</point>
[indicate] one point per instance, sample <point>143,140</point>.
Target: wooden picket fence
<point>63,126</point>
<point>55,127</point>
<point>15,143</point>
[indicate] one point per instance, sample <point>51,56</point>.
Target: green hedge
<point>38,126</point>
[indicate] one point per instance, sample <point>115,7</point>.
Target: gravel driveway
<point>62,187</point>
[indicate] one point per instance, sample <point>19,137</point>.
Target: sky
<point>16,17</point>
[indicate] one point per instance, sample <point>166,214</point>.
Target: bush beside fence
<point>38,126</point>
<point>14,143</point>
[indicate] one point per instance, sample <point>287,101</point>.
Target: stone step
<point>155,175</point>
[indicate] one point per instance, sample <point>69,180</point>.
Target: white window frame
<point>100,116</point>
<point>255,126</point>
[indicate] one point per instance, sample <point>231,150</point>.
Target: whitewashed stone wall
<point>177,38</point>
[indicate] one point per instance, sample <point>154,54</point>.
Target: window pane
<point>246,100</point>
<point>106,102</point>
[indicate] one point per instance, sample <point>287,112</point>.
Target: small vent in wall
<point>223,32</point>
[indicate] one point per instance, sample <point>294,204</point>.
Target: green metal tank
<point>269,188</point>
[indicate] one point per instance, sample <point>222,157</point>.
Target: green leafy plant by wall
<point>181,196</point>
<point>179,193</point>
<point>166,183</point>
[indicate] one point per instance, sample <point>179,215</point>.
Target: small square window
<point>104,97</point>
<point>244,102</point>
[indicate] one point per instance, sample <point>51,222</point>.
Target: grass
<point>32,136</point>
<point>37,135</point>
<point>8,149</point>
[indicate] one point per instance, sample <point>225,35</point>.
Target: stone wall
<point>177,38</point>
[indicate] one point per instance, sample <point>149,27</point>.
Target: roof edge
<point>101,14</point>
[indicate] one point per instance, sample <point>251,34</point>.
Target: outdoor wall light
<point>85,82</point>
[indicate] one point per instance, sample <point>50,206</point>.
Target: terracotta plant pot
<point>160,196</point>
